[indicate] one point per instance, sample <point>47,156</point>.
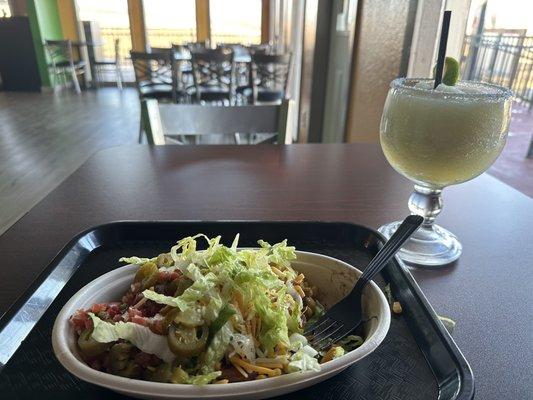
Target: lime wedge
<point>451,71</point>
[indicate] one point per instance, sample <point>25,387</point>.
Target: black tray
<point>417,360</point>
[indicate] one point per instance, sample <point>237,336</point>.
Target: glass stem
<point>427,203</point>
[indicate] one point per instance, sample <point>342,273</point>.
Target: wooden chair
<point>63,63</point>
<point>213,75</point>
<point>171,122</point>
<point>269,77</point>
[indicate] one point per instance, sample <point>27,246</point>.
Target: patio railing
<point>502,58</point>
<point>168,37</point>
<point>108,36</point>
<point>155,38</point>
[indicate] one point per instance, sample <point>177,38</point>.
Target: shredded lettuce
<point>160,298</point>
<point>140,336</point>
<point>217,348</point>
<point>297,341</point>
<point>136,260</point>
<point>181,376</point>
<point>301,362</point>
<point>202,285</point>
<point>204,379</point>
<point>279,253</point>
<point>274,329</point>
<point>243,345</point>
<point>226,312</point>
<point>294,315</point>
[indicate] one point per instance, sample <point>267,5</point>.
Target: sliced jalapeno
<point>147,275</point>
<point>121,362</point>
<point>187,341</point>
<point>90,347</point>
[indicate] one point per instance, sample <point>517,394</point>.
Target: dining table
<point>488,292</point>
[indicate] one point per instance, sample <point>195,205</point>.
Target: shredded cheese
<point>251,367</point>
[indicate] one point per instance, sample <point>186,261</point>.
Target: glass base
<point>430,246</point>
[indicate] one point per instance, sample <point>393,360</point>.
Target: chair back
<point>205,44</point>
<point>159,49</point>
<point>269,76</point>
<point>213,69</point>
<point>173,120</point>
<point>153,69</point>
<point>262,48</point>
<point>59,51</point>
<point>181,52</point>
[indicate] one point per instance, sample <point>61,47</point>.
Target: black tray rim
<point>466,388</point>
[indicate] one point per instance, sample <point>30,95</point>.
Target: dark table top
<point>488,292</point>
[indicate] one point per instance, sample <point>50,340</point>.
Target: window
<point>113,23</point>
<point>235,21</point>
<point>169,22</point>
<point>5,11</point>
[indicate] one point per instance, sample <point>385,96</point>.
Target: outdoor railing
<point>107,51</point>
<point>502,58</point>
<point>155,38</point>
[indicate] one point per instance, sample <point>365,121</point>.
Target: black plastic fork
<point>346,316</point>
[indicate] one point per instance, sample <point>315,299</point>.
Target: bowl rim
<point>138,387</point>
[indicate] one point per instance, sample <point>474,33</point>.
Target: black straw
<point>442,47</point>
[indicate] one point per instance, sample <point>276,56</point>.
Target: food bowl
<point>333,278</point>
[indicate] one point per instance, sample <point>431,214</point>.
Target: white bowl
<point>333,278</point>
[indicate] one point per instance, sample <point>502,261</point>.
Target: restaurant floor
<point>45,137</point>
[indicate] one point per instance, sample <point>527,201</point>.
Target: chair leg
<point>96,77</point>
<point>119,76</point>
<point>140,139</point>
<point>75,80</point>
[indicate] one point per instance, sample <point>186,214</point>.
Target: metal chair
<point>63,63</point>
<point>213,75</point>
<point>101,65</point>
<point>183,67</point>
<point>172,122</point>
<point>269,77</point>
<point>154,75</point>
<point>262,48</point>
<point>204,44</point>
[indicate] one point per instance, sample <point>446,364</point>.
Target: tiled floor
<point>512,167</point>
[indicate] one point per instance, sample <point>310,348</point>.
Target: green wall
<point>45,25</point>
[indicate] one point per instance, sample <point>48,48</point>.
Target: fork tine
<point>326,334</point>
<point>337,336</point>
<point>324,328</point>
<point>334,338</point>
<point>313,327</point>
